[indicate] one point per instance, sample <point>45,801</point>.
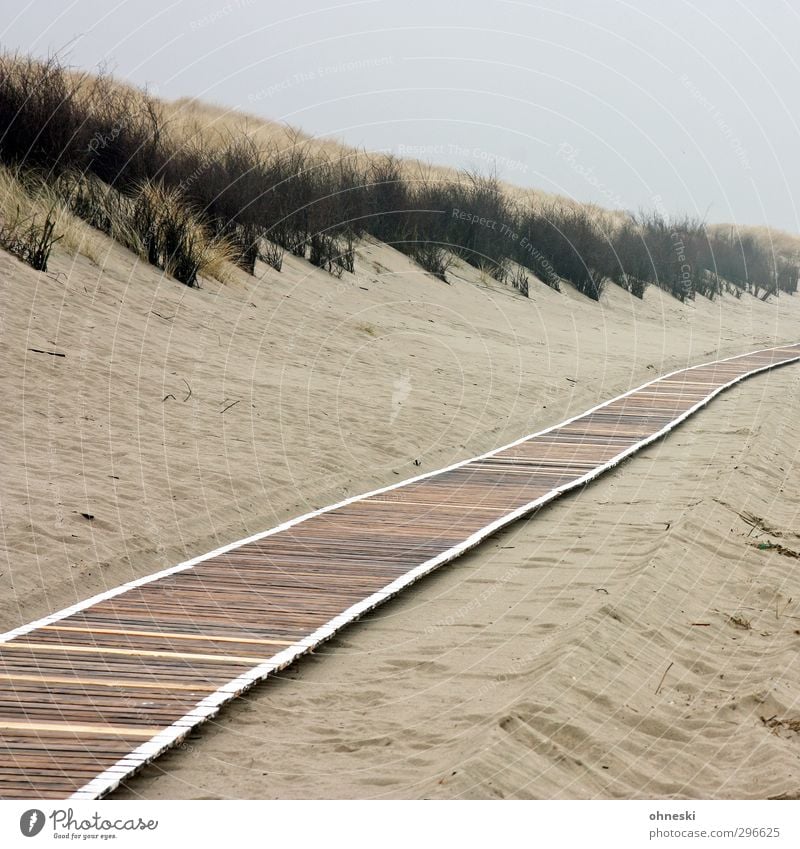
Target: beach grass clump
<point>100,206</point>
<point>34,218</point>
<point>30,239</point>
<point>154,222</point>
<point>174,238</point>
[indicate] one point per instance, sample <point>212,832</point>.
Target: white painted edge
<point>208,707</point>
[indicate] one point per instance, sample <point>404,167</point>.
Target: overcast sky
<point>681,106</point>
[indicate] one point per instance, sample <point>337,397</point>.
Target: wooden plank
<point>173,636</point>
<point>72,649</point>
<point>76,728</point>
<point>116,683</point>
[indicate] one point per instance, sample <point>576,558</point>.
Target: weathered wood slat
<point>92,693</point>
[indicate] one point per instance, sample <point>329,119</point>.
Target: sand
<point>528,668</point>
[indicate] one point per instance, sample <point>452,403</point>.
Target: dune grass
<point>193,189</point>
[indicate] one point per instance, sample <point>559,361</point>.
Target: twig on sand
<point>752,525</point>
<point>165,317</point>
<point>228,407</point>
<point>661,682</point>
<point>189,388</point>
<point>52,353</point>
<point>169,395</point>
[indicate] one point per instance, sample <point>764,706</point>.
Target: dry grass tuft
<point>174,238</point>
<point>367,328</point>
<point>34,217</point>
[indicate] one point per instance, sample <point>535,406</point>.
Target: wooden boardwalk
<point>94,692</point>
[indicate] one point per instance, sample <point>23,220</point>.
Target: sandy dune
<point>179,420</point>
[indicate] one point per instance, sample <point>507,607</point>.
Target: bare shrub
<point>346,258</point>
<point>387,200</point>
<point>563,243</point>
<point>520,281</point>
<point>272,254</point>
<point>433,258</point>
<point>323,253</point>
<point>334,255</point>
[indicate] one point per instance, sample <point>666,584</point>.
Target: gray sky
<point>679,106</point>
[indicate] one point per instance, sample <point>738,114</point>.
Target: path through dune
<point>529,668</point>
